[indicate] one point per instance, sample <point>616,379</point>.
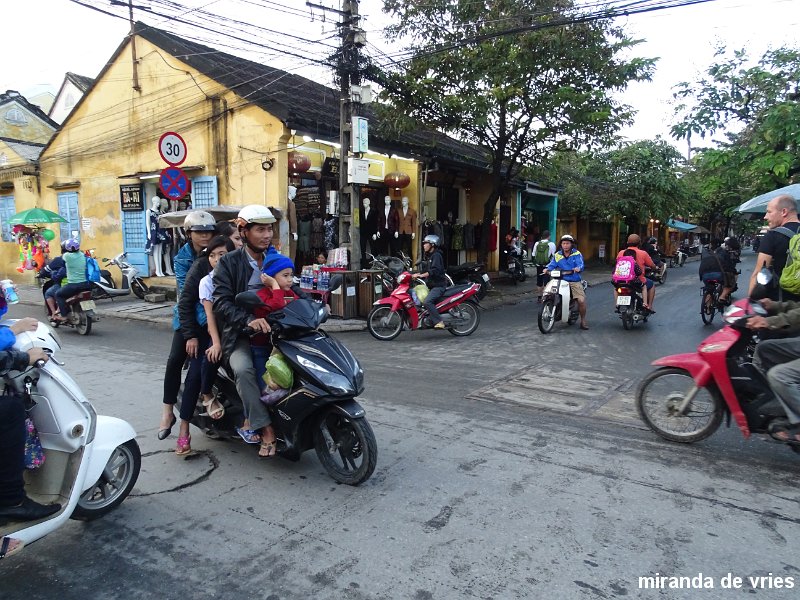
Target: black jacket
<point>190,296</point>
<point>436,271</point>
<point>230,278</point>
<point>13,360</point>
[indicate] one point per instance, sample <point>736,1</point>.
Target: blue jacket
<point>184,260</point>
<point>567,263</point>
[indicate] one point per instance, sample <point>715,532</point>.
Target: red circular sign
<point>172,148</point>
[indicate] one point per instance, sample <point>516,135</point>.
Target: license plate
<point>555,274</point>
<point>623,300</point>
<point>485,277</point>
<point>87,304</point>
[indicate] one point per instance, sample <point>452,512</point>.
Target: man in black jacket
<point>434,277</point>
<point>236,272</point>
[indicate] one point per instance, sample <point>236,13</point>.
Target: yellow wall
<point>35,130</point>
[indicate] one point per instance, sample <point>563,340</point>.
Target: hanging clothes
<point>458,237</point>
<point>331,232</point>
<point>492,246</point>
<point>317,233</point>
<point>469,236</point>
<point>304,236</point>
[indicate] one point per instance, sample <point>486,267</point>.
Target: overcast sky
<point>43,39</point>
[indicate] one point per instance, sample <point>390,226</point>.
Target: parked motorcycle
<point>557,303</point>
<point>91,461</point>
<point>81,307</point>
<point>458,308</point>
<point>471,272</point>
<point>515,268</point>
<point>106,287</point>
<point>320,412</point>
<point>630,303</point>
<point>686,398</point>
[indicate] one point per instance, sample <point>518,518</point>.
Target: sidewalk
<point>130,308</point>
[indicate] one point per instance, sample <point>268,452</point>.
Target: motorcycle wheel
<point>627,319</point>
<point>522,275</point>
<point>707,312</point>
<point>573,312</point>
<point>663,279</point>
<point>114,485</point>
<point>547,316</point>
<point>84,325</point>
<point>471,318</point>
<point>660,394</point>
<point>384,324</point>
<point>346,447</point>
<point>139,288</point>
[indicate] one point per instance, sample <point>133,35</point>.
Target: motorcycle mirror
<point>105,260</point>
<point>335,283</point>
<point>248,301</point>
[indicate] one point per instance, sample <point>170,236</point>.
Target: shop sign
<point>357,171</point>
<point>131,198</point>
<point>360,129</point>
<point>330,168</point>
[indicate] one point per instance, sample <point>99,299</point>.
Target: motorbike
<point>515,268</point>
<point>471,272</point>
<point>320,411</point>
<point>458,308</point>
<point>82,309</point>
<point>91,461</point>
<point>557,303</point>
<point>686,398</point>
<point>678,259</point>
<point>390,267</point>
<point>106,287</point>
<point>630,303</point>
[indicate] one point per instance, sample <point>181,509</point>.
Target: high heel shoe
<point>165,433</point>
<point>184,446</point>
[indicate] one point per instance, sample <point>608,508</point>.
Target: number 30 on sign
<point>172,148</point>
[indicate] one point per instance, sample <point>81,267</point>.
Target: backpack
<point>626,269</point>
<point>542,254</point>
<point>92,269</point>
<point>790,276</point>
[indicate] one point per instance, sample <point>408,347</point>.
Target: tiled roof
<point>14,96</point>
<point>302,104</point>
<point>83,83</point>
<point>27,150</point>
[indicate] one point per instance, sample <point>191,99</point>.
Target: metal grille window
<point>7,210</point>
<point>204,192</point>
<point>135,235</point>
<point>68,208</point>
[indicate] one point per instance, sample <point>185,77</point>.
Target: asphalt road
<point>511,465</point>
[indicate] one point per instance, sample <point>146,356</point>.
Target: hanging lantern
<point>298,162</point>
<point>397,180</point>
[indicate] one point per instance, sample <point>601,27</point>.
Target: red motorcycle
<point>458,308</point>
<point>686,398</point>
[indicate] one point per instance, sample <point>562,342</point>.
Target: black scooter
<point>320,411</point>
<point>471,272</point>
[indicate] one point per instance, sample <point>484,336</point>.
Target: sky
<point>43,39</point>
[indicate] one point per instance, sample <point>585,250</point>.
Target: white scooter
<point>91,461</point>
<point>557,303</point>
<point>106,288</point>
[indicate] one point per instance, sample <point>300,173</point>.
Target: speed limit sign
<point>172,148</point>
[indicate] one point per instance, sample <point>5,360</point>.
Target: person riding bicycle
<point>570,261</point>
<point>642,259</point>
<point>434,277</point>
<point>716,265</point>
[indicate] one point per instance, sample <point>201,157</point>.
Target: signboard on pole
<point>172,148</point>
<point>360,131</point>
<point>357,171</point>
<point>173,183</point>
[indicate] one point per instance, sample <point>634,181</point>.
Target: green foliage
<point>520,95</point>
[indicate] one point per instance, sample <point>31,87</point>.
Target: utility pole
<point>133,49</point>
<point>348,70</point>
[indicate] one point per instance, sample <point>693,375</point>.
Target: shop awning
<point>680,225</point>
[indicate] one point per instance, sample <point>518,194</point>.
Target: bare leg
<point>51,304</point>
<point>268,443</point>
<point>582,311</point>
<point>651,295</point>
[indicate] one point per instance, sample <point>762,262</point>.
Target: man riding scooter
<point>570,261</point>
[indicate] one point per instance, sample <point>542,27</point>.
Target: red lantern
<point>298,162</point>
<point>397,180</point>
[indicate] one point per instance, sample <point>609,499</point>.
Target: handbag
<point>34,453</point>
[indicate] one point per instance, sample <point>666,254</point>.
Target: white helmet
<point>254,213</point>
<point>199,220</point>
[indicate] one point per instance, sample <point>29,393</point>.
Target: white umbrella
<point>759,203</point>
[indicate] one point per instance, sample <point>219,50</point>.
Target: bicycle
<point>710,300</point>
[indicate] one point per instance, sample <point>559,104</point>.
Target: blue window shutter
<point>7,210</point>
<point>68,208</point>
<point>204,192</point>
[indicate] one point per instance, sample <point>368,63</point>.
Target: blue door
<point>204,192</point>
<point>68,208</point>
<point>7,210</point>
<point>134,238</point>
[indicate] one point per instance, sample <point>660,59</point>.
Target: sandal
<point>788,434</point>
<point>268,449</point>
<point>184,446</point>
<point>10,547</point>
<point>213,413</point>
<point>249,435</point>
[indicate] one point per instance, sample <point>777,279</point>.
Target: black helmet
<point>652,240</point>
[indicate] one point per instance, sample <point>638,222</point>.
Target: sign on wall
<point>131,197</point>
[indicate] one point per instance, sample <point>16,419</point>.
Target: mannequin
<point>157,238</point>
<point>388,227</point>
<point>288,227</point>
<point>408,225</point>
<point>368,229</point>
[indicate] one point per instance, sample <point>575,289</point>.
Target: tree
<point>519,95</point>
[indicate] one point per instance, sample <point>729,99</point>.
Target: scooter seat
<point>456,289</point>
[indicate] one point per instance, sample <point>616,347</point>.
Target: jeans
<point>780,360</point>
<point>51,291</point>
<point>260,358</point>
<point>241,361</point>
<point>172,374</point>
<point>67,291</point>
<point>430,303</point>
<point>12,450</point>
<point>192,383</point>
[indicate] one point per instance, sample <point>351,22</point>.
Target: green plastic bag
<point>278,371</point>
<point>422,292</point>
